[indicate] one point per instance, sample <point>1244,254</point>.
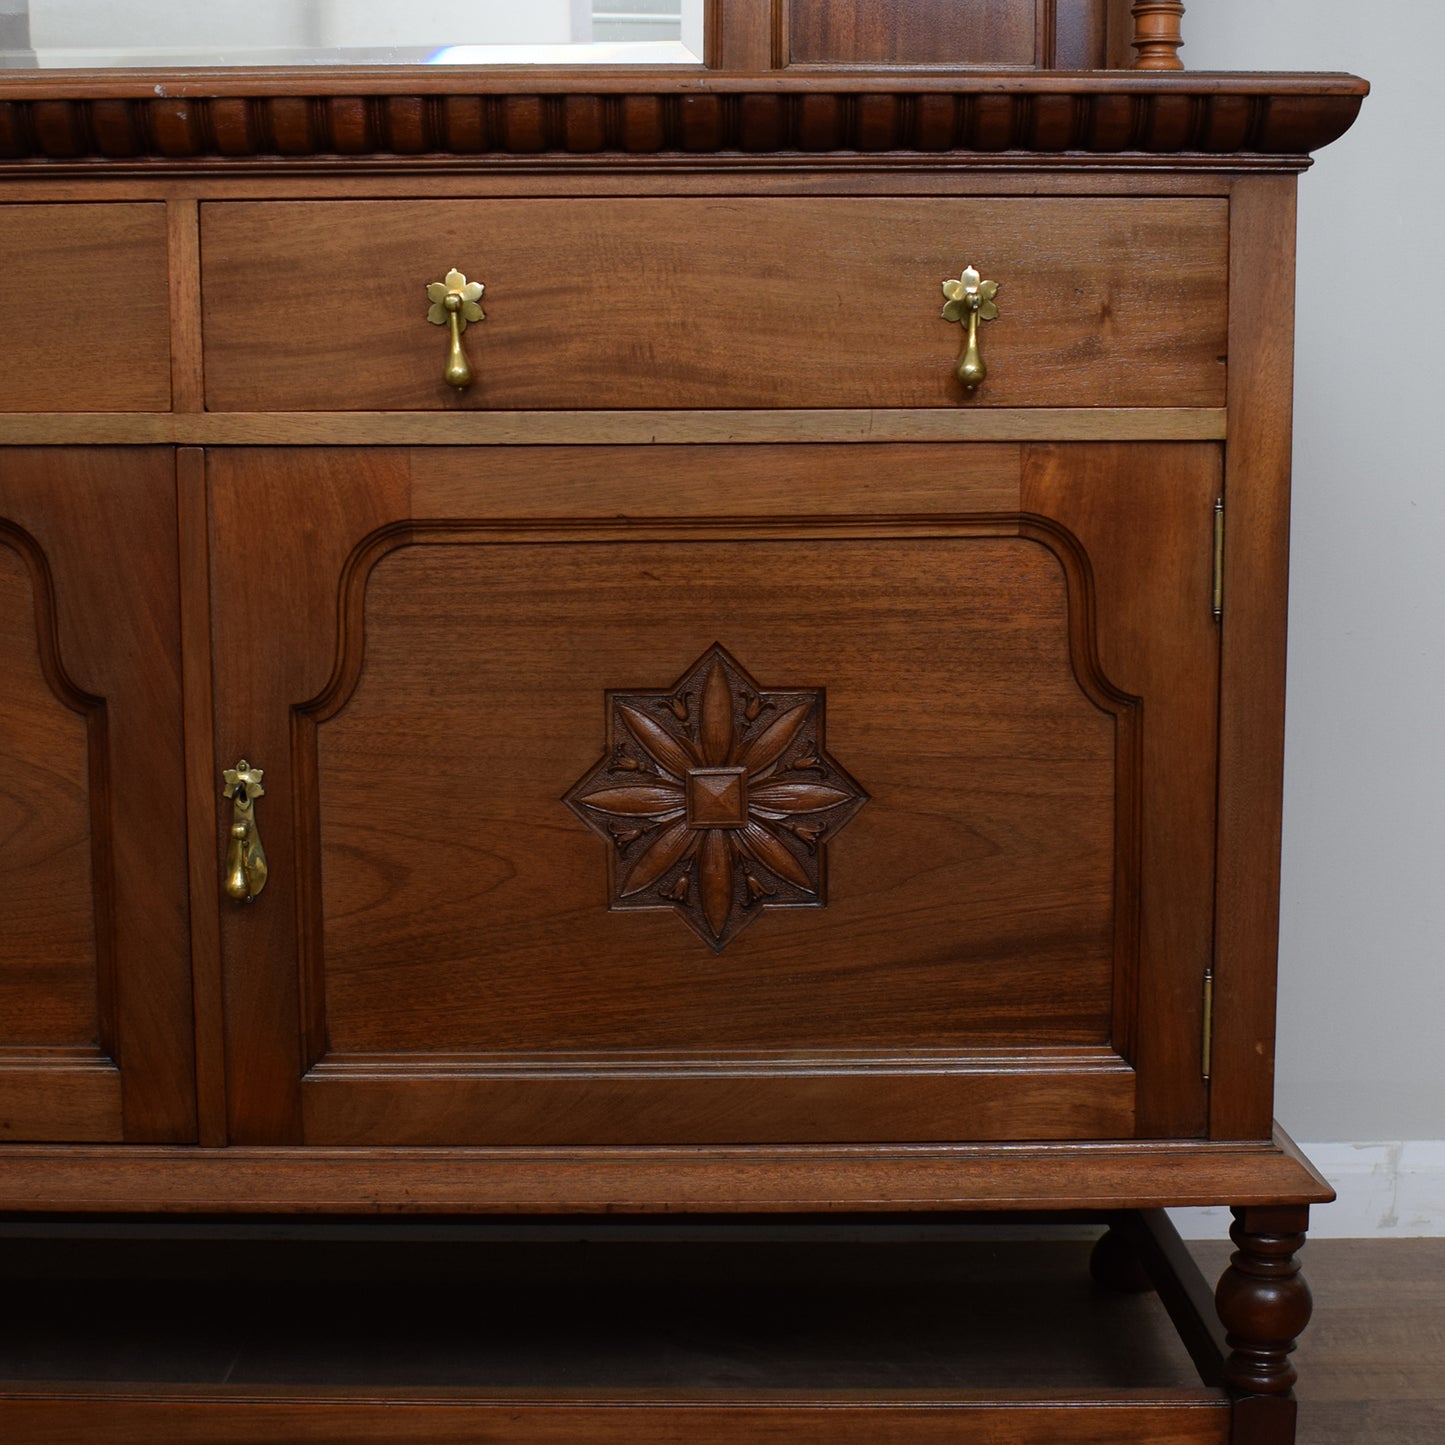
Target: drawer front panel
<point>84,309</point>
<point>714,302</point>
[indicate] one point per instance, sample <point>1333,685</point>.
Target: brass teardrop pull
<point>245,857</point>
<point>970,300</point>
<point>454,305</point>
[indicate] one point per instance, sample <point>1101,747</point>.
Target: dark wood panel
<point>50,977</point>
<point>650,1181</point>
<point>60,1095</point>
<point>292,597</point>
<point>169,1421</point>
<point>752,302</point>
<point>112,355</point>
<point>1256,581</point>
<point>1144,513</point>
<point>358,1103</point>
<point>1002,33</point>
<point>102,524</point>
<point>813,480</point>
<point>464,908</point>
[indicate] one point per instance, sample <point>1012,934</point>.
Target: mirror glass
<point>87,34</point>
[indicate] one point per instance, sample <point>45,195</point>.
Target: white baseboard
<point>1387,1191</point>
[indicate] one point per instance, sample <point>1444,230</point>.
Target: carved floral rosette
<point>716,798</point>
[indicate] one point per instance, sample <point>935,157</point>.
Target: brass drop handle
<point>970,300</point>
<point>454,305</point>
<point>245,857</point>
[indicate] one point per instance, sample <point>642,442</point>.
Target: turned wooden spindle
<point>1263,1300</point>
<point>1157,34</point>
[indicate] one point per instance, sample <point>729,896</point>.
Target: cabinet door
<point>718,794</point>
<point>95,1000</point>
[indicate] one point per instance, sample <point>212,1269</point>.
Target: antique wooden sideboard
<point>697,640</point>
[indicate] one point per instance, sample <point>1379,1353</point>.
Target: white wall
<point>1362,967</point>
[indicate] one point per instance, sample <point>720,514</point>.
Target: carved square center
<point>717,798</point>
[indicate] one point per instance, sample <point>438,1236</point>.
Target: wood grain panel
<point>49,968</point>
<point>109,351</point>
<point>1256,584</point>
<point>59,1095</point>
<point>174,1419</point>
<point>618,428</point>
<point>457,915</point>
<point>703,481</point>
<point>291,597</point>
<point>808,1180</point>
<point>464,910</point>
<point>359,1104</point>
<point>916,32</point>
<point>103,522</point>
<point>805,302</point>
<point>1145,515</point>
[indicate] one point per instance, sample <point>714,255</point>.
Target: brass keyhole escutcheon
<point>454,305</point>
<point>970,300</point>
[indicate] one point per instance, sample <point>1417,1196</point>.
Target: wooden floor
<point>930,1316</point>
<point>1372,1365</point>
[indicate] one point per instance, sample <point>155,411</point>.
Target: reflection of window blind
<point>636,19</point>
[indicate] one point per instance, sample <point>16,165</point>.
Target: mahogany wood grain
<point>756,482</point>
<point>1256,567</point>
<point>199,1420</point>
<point>823,176</point>
<point>1119,34</point>
<point>664,1102</point>
<point>365,934</point>
<point>188,387</point>
<point>819,302</point>
<point>50,965</point>
<point>101,524</point>
<point>1144,514</point>
<point>59,1095</point>
<point>635,989</point>
<point>203,802</point>
<point>270,643</point>
<point>1157,36</point>
<point>612,428</point>
<point>84,308</point>
<point>956,33</point>
<point>740,35</point>
<point>1081,35</point>
<point>744,1180</point>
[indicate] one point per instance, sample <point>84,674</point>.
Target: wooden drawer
<point>714,302</point>
<point>84,308</point>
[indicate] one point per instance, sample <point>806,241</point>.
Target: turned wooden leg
<point>1115,1263</point>
<point>1264,1305</point>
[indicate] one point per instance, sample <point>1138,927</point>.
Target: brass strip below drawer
<point>610,428</point>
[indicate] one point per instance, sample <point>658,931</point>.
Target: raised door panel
<point>821,301</point>
<point>805,823</point>
<point>94,959</point>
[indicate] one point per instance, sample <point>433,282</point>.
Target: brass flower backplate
<point>716,798</point>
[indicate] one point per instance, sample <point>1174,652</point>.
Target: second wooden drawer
<point>714,302</point>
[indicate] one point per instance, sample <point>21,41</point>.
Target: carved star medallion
<point>716,798</point>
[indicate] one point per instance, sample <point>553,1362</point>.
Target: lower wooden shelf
<point>977,1336</point>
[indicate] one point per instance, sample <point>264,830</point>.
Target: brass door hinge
<point>1208,1050</point>
<point>1218,558</point>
